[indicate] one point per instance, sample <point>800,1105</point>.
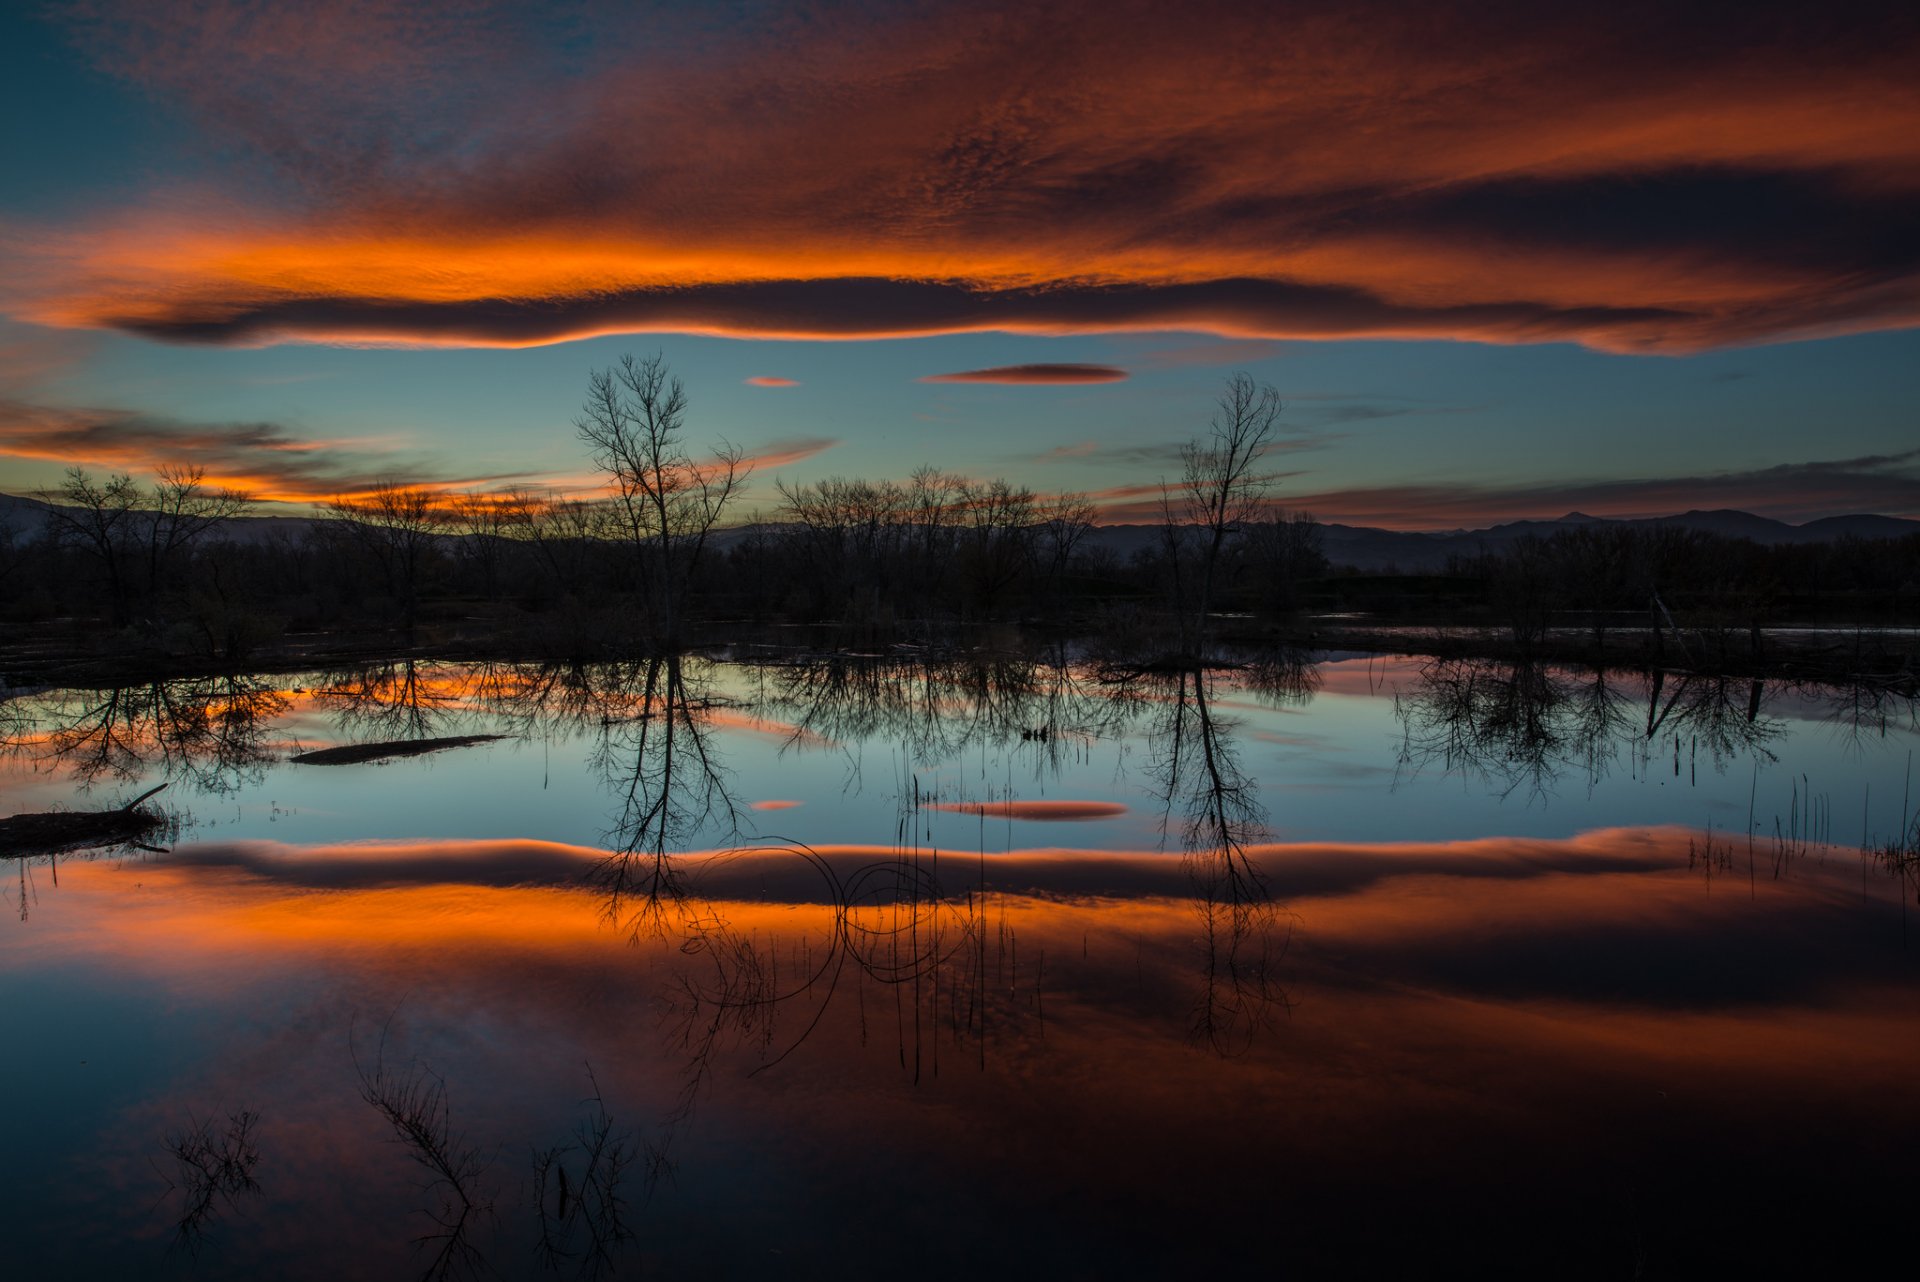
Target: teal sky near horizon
<point>306,281</point>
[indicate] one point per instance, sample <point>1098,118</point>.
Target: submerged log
<point>51,831</point>
<point>356,752</point>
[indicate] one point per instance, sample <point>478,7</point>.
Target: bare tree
<point>565,532</point>
<point>996,538</point>
<point>121,526</point>
<point>98,518</point>
<point>396,524</point>
<point>1220,490</point>
<point>668,503</point>
<point>1283,548</point>
<point>491,525</point>
<point>1064,522</point>
<point>184,509</point>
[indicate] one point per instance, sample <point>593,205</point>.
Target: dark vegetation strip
<point>135,579</point>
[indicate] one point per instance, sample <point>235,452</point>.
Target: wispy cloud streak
<point>263,458</point>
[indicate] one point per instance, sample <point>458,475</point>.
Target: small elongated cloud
<point>1243,351</point>
<point>770,380</point>
<point>788,450</point>
<point>1045,374</point>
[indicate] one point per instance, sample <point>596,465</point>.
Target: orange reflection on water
<point>1412,1017</point>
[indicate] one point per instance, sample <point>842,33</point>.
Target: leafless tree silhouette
<point>1221,489</point>
<point>666,501</point>
<point>125,528</point>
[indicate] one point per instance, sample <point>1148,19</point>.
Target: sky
<point>1499,260</point>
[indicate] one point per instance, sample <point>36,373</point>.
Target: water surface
<point>1327,962</point>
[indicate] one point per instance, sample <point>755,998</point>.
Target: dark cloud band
<point>881,308</point>
<point>1043,375</point>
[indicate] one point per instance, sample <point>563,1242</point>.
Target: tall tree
<point>1221,489</point>
<point>667,503</point>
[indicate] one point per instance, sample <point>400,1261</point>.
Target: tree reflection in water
<point>914,946</point>
<point>412,1100</point>
<point>660,760</point>
<point>1518,727</point>
<point>213,1169</point>
<point>938,706</point>
<point>931,947</point>
<point>1244,932</point>
<point>210,733</point>
<point>1869,707</point>
<point>582,1216</point>
<point>401,699</point>
<point>653,731</point>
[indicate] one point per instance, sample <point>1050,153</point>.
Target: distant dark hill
<point>1374,549</point>
<point>27,515</point>
<point>1857,527</point>
<point>23,514</point>
<point>1371,548</point>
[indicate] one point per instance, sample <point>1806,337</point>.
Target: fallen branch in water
<point>50,831</point>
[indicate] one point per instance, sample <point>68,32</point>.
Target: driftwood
<point>354,752</point>
<point>51,831</point>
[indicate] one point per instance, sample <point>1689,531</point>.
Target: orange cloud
<point>1631,180</point>
<point>780,453</point>
<point>787,731</point>
<point>273,465</point>
<point>771,380</point>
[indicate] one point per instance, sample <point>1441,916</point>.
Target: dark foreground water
<point>1330,966</point>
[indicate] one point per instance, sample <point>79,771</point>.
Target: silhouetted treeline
<point>1690,588</point>
<point>872,558</point>
<point>866,555</point>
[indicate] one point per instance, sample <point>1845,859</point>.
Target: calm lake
<point>1329,963</point>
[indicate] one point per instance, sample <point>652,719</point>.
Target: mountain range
<point>1369,548</point>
